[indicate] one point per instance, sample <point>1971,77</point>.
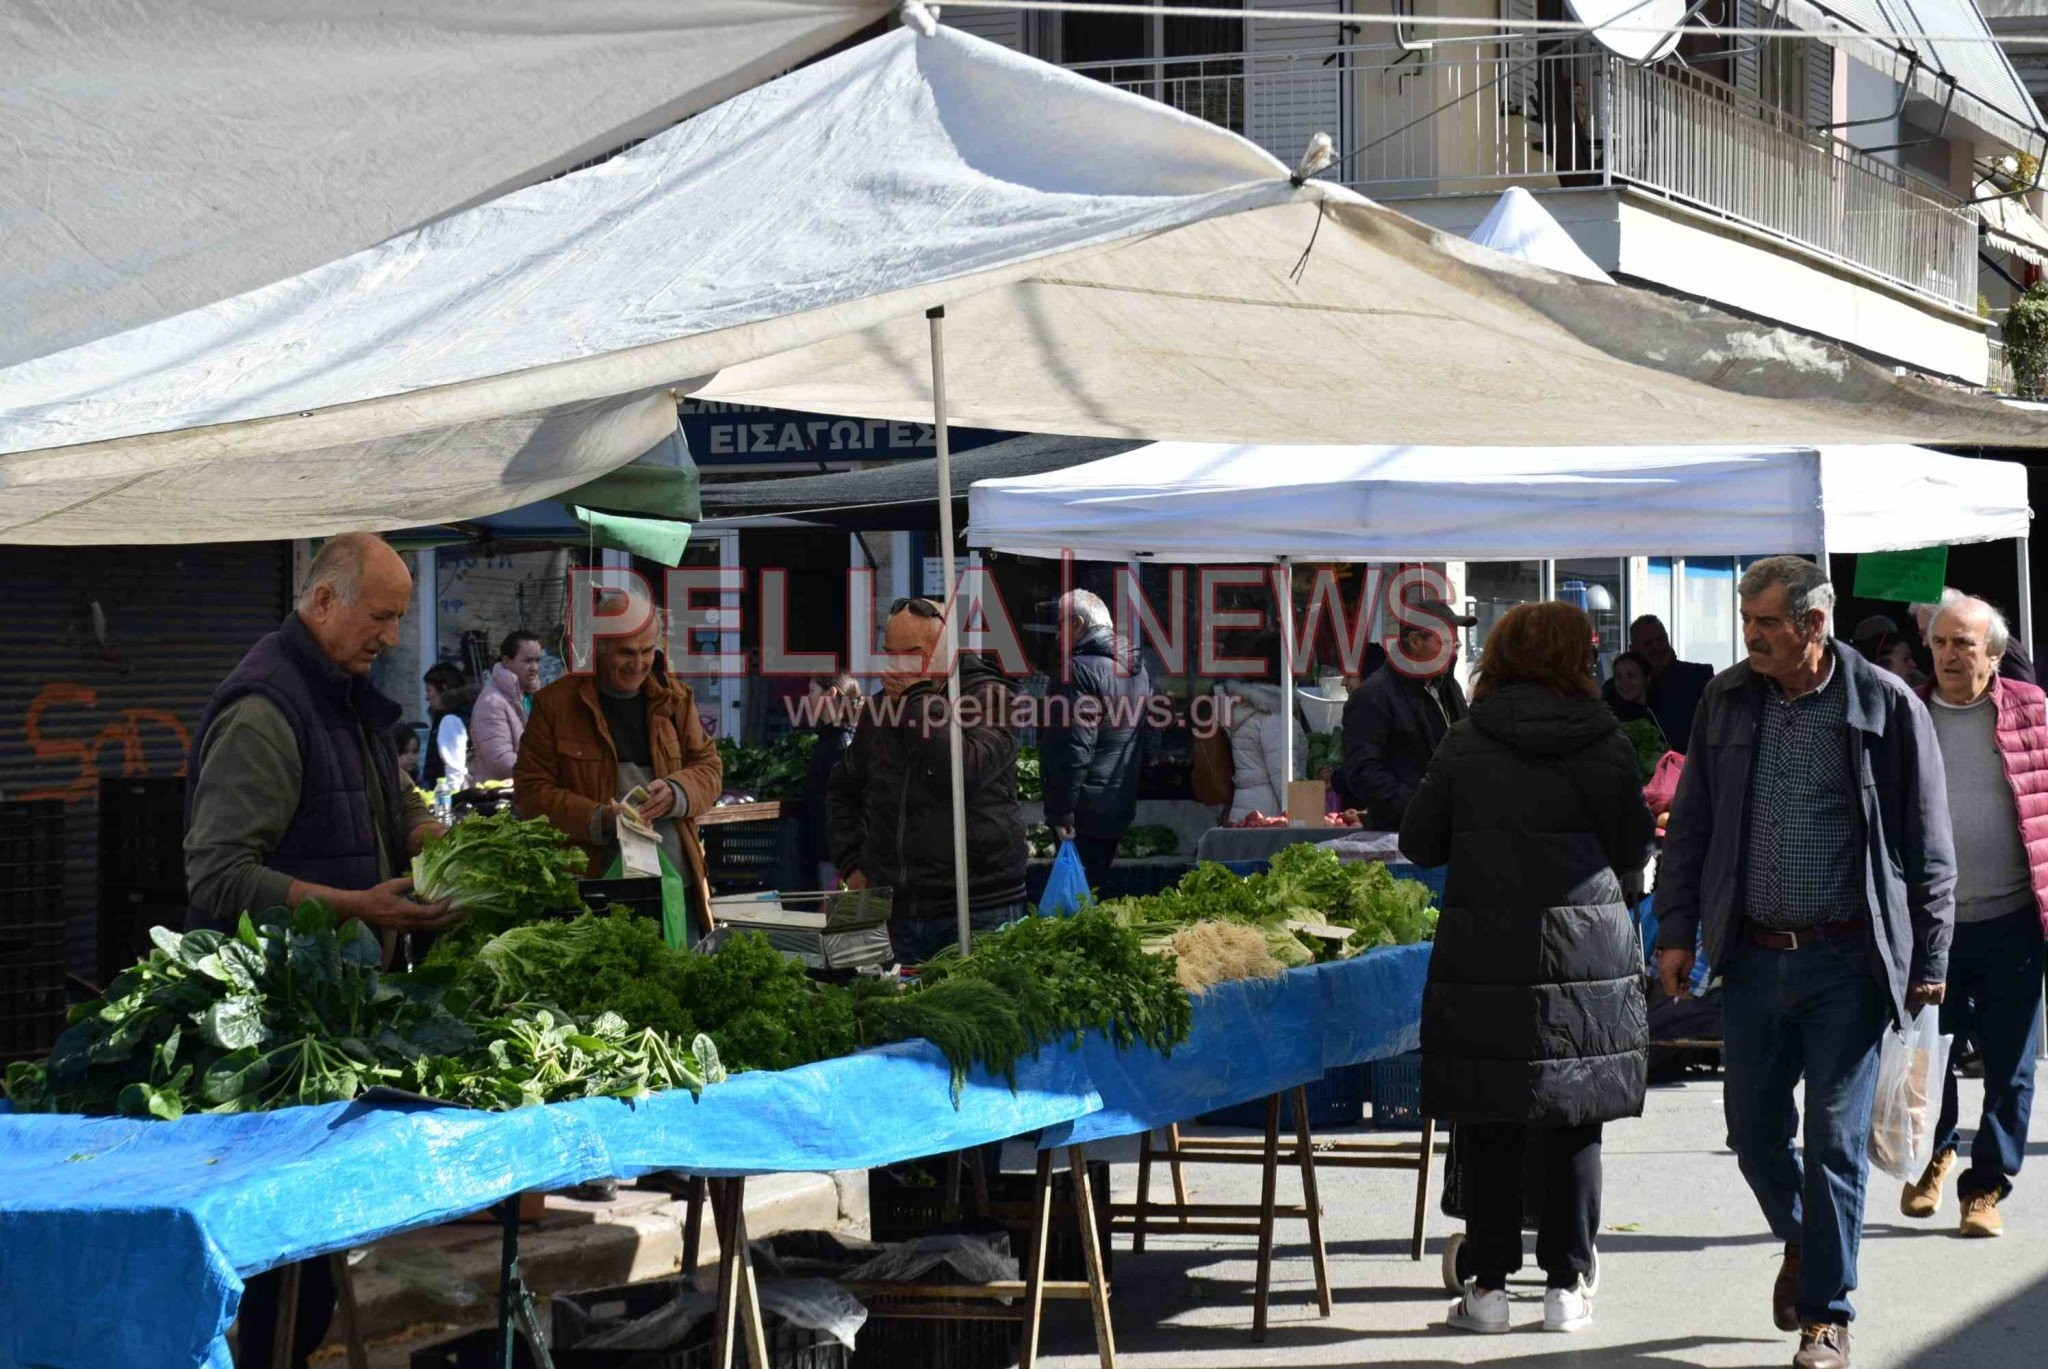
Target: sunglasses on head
<point>916,608</point>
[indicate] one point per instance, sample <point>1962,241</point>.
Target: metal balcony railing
<point>1431,125</point>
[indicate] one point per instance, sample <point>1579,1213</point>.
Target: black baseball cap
<point>1437,608</point>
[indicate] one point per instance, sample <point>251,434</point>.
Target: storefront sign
<point>747,435</point>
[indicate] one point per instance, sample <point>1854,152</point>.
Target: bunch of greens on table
<point>1648,740</point>
<point>1306,887</point>
<point>779,771</point>
<point>499,871</point>
<point>1030,777</point>
<point>1325,753</point>
<point>297,1012</point>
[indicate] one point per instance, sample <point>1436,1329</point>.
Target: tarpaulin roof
<point>1111,267</point>
<point>164,154</point>
<point>1180,501</point>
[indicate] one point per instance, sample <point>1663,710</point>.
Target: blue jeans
<point>918,939</point>
<point>1818,1012</point>
<point>1994,994</point>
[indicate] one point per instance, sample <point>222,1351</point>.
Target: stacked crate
<point>31,927</point>
<point>142,867</point>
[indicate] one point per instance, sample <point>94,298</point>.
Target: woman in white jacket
<point>1259,773</point>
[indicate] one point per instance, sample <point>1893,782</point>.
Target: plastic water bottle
<point>444,800</point>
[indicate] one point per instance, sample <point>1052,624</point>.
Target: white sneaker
<point>1481,1310</point>
<point>1568,1309</point>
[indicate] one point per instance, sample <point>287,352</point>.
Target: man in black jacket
<point>1092,745</point>
<point>1675,685</point>
<point>834,701</point>
<point>1810,839</point>
<point>889,804</point>
<point>1394,721</point>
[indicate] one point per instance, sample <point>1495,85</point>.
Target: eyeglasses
<point>916,608</point>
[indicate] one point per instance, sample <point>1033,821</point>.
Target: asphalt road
<point>1687,1265</point>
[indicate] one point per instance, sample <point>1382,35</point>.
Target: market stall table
<point>1226,844</point>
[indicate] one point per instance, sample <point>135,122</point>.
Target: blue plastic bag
<point>1066,888</point>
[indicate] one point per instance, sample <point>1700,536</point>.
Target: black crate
<point>1336,1100</point>
<point>124,922</point>
<point>766,853</point>
<point>142,837</point>
<point>924,1343</point>
<point>900,1209</point>
<point>577,1316</point>
<point>1397,1093</point>
<point>471,1350</point>
<point>31,843</point>
<point>30,1021</point>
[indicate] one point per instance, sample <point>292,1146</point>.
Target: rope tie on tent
<point>916,15</point>
<point>1301,266</point>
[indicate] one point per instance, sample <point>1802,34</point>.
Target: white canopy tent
<point>164,154</point>
<point>1203,503</point>
<point>1112,267</point>
<point>1519,226</point>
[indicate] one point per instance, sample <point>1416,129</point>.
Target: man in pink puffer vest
<point>1994,746</point>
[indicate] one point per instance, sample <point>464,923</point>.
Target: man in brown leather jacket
<point>592,739</point>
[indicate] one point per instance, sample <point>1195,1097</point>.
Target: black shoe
<point>1785,1292</point>
<point>596,1191</point>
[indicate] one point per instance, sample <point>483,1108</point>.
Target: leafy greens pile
<point>768,772</point>
<point>297,1012</point>
<point>1648,740</point>
<point>499,871</point>
<point>1305,886</point>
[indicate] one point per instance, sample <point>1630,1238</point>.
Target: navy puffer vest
<point>331,839</point>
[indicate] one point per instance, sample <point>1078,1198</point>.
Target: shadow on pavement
<point>2006,1337</point>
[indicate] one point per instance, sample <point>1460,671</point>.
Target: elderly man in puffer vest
<point>1994,747</point>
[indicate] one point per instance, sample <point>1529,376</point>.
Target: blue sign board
<point>747,435</point>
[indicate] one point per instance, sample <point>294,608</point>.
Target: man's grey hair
<point>340,564</point>
<point>1925,614</point>
<point>1997,633</point>
<point>612,603</point>
<point>1087,606</point>
<point>1806,585</point>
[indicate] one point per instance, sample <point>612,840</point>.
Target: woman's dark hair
<point>509,648</point>
<point>1635,659</point>
<point>1549,645</point>
<point>404,735</point>
<point>443,675</point>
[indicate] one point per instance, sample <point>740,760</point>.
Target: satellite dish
<point>1651,27</point>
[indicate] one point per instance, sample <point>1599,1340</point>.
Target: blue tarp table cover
<point>126,1242</point>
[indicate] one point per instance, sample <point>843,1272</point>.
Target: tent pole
<point>2025,602</point>
<point>955,757</point>
<point>1284,582</point>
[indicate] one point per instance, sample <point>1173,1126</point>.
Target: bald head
<point>356,595</point>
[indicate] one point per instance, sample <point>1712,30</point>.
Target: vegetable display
<point>1325,753</point>
<point>1307,893</point>
<point>1030,777</point>
<point>1648,740</point>
<point>297,1012</point>
<point>499,871</point>
<point>768,772</point>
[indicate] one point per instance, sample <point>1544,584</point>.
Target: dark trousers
<point>1994,995</point>
<point>256,1323</point>
<point>1491,1156</point>
<point>1817,1013</point>
<point>918,939</point>
<point>1097,855</point>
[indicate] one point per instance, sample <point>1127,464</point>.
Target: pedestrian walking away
<point>1810,841</point>
<point>1994,747</point>
<point>1092,753</point>
<point>1533,1020</point>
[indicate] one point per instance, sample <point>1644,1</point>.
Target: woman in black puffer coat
<point>1533,1022</point>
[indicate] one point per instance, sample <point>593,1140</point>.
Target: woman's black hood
<point>1531,719</point>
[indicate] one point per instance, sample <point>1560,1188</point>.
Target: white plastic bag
<point>1910,1071</point>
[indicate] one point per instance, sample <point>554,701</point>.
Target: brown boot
<point>1785,1292</point>
<point>1923,1195</point>
<point>1980,1216</point>
<point>1822,1345</point>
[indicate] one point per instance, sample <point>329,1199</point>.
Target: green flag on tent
<point>656,539</point>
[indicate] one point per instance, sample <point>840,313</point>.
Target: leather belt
<point>1773,939</point>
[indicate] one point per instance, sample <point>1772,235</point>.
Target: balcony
<point>1417,125</point>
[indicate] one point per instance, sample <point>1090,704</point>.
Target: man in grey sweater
<point>1993,732</point>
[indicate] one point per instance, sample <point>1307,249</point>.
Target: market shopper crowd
<point>1843,848</point>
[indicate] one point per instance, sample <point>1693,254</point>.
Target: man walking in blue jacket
<point>1810,840</point>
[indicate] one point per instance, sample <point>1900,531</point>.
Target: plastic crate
<point>1335,1100</point>
<point>763,854</point>
<point>142,838</point>
<point>578,1316</point>
<point>900,1211</point>
<point>1396,1093</point>
<point>31,843</point>
<point>923,1343</point>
